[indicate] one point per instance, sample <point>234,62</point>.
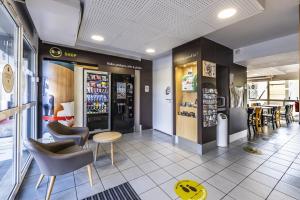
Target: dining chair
<point>277,116</point>
<point>59,158</point>
<point>258,121</point>
<point>270,117</point>
<point>250,121</point>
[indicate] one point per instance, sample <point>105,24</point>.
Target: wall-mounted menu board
<point>209,98</point>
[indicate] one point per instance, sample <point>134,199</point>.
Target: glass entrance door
<point>17,103</point>
<point>8,103</point>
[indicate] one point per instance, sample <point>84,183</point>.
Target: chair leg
<point>96,153</point>
<point>50,187</point>
<point>89,169</point>
<point>39,181</point>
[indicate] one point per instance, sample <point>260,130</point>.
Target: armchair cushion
<point>61,132</point>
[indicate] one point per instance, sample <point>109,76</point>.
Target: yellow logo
<point>8,78</point>
<point>190,190</point>
<point>55,52</point>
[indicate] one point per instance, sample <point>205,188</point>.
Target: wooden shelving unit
<point>186,104</point>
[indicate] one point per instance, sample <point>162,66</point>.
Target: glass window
<point>8,99</point>
<point>27,131</point>
<point>258,90</point>
<point>8,60</point>
<point>28,72</point>
<point>8,128</point>
<point>284,90</point>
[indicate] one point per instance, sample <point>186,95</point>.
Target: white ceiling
<point>274,71</point>
<point>283,59</point>
<point>131,26</point>
<point>56,21</point>
<point>280,18</point>
<point>284,65</point>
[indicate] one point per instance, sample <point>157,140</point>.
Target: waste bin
<point>222,130</point>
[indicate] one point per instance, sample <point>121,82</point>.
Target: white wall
<point>162,103</point>
<point>78,95</point>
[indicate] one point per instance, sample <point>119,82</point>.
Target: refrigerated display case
<point>96,100</point>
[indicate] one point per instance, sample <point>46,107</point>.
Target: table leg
<point>96,153</point>
<point>112,152</point>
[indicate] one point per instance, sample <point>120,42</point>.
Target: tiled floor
<point>153,165</point>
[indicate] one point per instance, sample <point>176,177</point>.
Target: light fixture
<point>150,50</point>
<point>227,13</point>
<point>97,38</point>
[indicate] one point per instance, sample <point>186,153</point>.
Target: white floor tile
<point>159,176</point>
<point>264,179</point>
<point>162,161</point>
<point>187,164</point>
<point>175,170</point>
<point>113,180</point>
<point>241,193</point>
<point>288,189</point>
<point>202,172</point>
<point>221,183</point>
<point>155,194</point>
<point>168,188</point>
<point>212,192</point>
<point>142,184</point>
<point>256,187</point>
<point>276,195</point>
<point>232,175</point>
<point>149,167</point>
<point>132,173</point>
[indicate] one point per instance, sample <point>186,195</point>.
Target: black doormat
<point>120,192</point>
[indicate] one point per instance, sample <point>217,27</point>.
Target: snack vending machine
<point>96,101</point>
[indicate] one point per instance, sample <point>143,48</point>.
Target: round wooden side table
<point>107,137</point>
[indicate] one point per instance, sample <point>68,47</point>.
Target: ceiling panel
<point>244,9</point>
<point>161,24</point>
<point>56,21</point>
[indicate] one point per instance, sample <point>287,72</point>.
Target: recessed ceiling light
<point>97,38</point>
<point>227,13</point>
<point>150,50</point>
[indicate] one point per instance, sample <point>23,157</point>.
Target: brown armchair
<point>59,158</point>
<point>61,132</point>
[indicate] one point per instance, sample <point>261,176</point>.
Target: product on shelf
<point>209,99</point>
<point>97,93</point>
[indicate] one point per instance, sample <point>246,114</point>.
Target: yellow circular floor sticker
<point>190,190</point>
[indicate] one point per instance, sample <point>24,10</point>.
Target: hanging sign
<point>190,190</point>
<point>8,78</point>
<point>56,52</point>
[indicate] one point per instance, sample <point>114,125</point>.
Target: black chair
<point>271,117</point>
<point>250,121</point>
<point>288,114</point>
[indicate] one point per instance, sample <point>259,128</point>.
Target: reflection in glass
<point>28,72</point>
<point>7,138</point>
<point>8,56</point>
<point>27,131</point>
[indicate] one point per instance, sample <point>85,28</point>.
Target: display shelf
<point>186,101</point>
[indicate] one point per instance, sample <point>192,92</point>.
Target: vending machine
<point>97,101</point>
<point>122,105</point>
